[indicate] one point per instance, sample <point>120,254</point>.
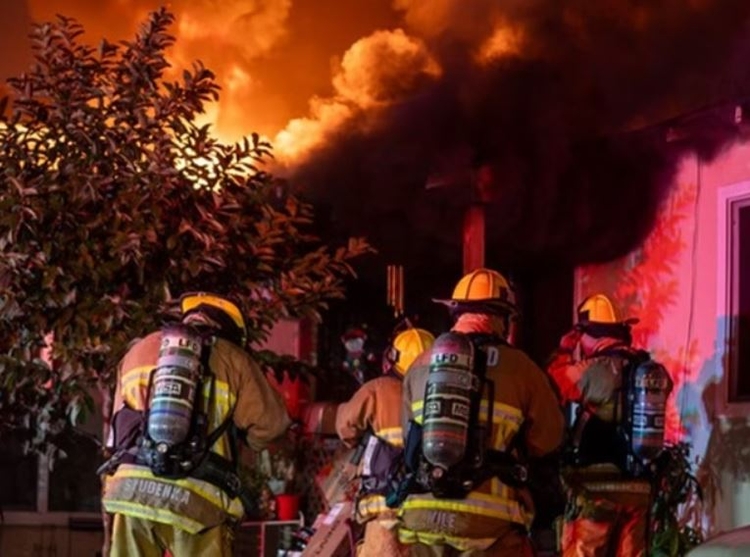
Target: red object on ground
<point>287,506</point>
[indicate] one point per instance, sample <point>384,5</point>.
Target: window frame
<point>42,515</point>
<point>729,199</point>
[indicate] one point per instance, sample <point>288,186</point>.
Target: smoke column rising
<point>367,100</point>
<point>542,94</point>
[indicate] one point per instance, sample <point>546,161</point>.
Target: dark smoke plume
<point>558,103</point>
<point>561,104</point>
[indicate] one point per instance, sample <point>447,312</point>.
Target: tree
<point>113,201</point>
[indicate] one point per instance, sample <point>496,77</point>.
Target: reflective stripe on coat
<point>241,393</point>
<point>523,397</point>
<point>375,407</point>
<point>189,504</point>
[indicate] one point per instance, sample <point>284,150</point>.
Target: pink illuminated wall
<point>675,284</point>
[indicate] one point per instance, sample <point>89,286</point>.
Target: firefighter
<point>154,514</point>
<point>372,418</point>
<point>493,518</point>
<point>607,511</point>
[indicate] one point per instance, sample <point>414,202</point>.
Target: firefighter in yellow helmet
<point>373,417</point>
<point>486,515</point>
<point>183,395</point>
<point>607,511</point>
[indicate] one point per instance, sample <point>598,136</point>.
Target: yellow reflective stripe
<point>134,383</point>
<point>501,413</point>
<point>416,410</point>
<point>508,420</point>
<point>496,487</point>
<point>224,401</point>
<point>370,506</point>
<point>209,492</point>
<point>391,435</point>
<point>510,413</point>
<point>221,392</point>
<point>462,544</point>
<point>475,503</point>
<point>504,434</point>
<point>500,490</point>
<point>408,536</point>
<point>155,514</point>
<point>138,375</point>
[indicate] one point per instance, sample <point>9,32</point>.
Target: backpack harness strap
<point>212,468</point>
<point>632,359</point>
<point>503,465</point>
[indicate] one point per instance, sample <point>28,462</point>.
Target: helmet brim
<point>629,322</point>
<point>487,305</point>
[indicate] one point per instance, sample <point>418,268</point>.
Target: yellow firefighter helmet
<point>483,287</point>
<point>224,312</point>
<point>406,347</point>
<point>597,309</point>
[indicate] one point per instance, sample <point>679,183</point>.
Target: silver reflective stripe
<point>476,503</point>
<point>372,442</point>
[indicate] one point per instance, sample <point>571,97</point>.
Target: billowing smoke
<point>377,72</point>
<point>554,104</point>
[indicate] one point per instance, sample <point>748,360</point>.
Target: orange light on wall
<point>395,289</point>
<point>473,238</point>
<point>474,219</point>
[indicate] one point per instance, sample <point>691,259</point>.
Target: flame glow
<point>376,71</point>
<point>504,41</point>
<point>378,93</point>
<point>382,68</point>
<point>252,27</point>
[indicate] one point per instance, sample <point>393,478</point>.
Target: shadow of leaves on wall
<point>727,454</point>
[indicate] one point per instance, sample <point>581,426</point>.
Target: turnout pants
<point>381,539</point>
<point>607,519</point>
<point>514,543</point>
<point>137,537</point>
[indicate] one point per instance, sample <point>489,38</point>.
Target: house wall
<point>41,541</point>
<point>675,283</point>
<point>293,337</point>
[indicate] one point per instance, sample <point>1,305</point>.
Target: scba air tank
<point>447,402</point>
<point>173,386</point>
<point>651,386</point>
